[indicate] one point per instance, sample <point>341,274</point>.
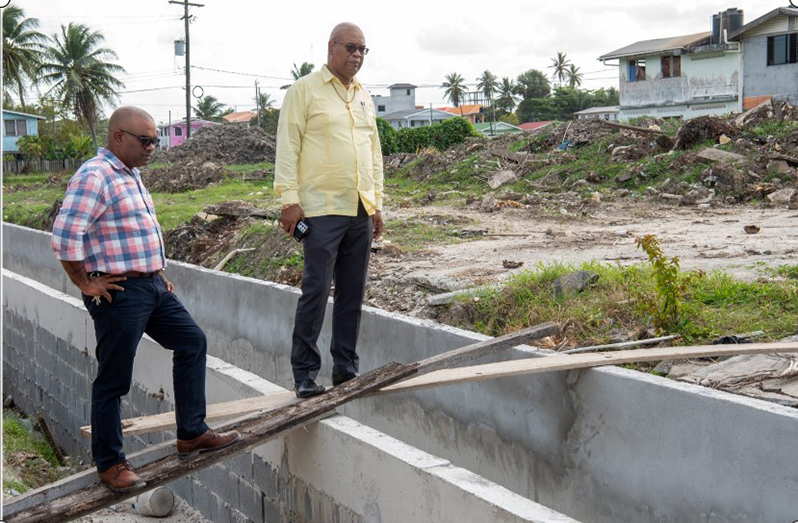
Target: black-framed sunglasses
<point>351,48</point>
<point>145,140</point>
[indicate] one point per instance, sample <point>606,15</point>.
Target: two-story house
<point>770,57</point>
<point>682,76</point>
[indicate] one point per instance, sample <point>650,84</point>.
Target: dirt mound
<point>226,143</point>
<point>577,133</point>
<point>697,130</point>
<point>183,176</point>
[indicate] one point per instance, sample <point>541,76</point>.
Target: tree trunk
<point>21,95</point>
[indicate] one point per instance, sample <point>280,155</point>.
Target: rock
<point>663,368</point>
<point>617,336</point>
<point>595,198</point>
<point>621,150</point>
<point>673,186</point>
<point>573,282</point>
<point>724,176</point>
<point>779,167</point>
<point>711,155</point>
<point>651,191</point>
<point>501,178</point>
<point>782,196</point>
<point>697,197</point>
<point>509,264</point>
<point>209,165</point>
<point>670,197</point>
<point>723,139</point>
<point>620,193</point>
<point>751,229</point>
<point>8,401</point>
<point>624,177</point>
<point>488,203</point>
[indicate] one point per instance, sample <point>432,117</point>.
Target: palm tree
<point>488,84</point>
<point>574,76</point>
<point>209,108</point>
<point>263,101</point>
<point>455,88</point>
<point>22,50</point>
<point>298,72</point>
<point>81,77</point>
<point>506,100</point>
<point>560,66</point>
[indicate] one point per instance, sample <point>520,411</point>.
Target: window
<point>637,70</point>
<point>412,123</point>
<point>15,127</point>
<point>178,131</point>
<point>783,49</point>
<point>671,66</point>
<point>380,108</point>
<point>408,92</point>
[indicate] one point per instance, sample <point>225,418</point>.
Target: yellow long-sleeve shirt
<point>328,152</point>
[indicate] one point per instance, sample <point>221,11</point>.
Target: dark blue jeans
<point>145,306</point>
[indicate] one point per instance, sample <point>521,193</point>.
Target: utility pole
<point>257,102</point>
<point>186,19</point>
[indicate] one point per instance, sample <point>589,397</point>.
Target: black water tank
<point>733,19</point>
<point>715,29</point>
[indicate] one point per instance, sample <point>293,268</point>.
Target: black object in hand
<point>301,230</point>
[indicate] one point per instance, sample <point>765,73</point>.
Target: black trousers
<point>144,306</point>
<point>337,248</point>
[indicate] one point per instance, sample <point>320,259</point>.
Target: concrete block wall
<point>603,445</point>
<point>336,470</point>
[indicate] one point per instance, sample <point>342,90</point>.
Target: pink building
<point>177,131</point>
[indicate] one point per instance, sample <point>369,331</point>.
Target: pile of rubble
<point>226,144</point>
<point>183,176</point>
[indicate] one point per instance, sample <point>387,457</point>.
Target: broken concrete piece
<point>782,197</point>
<point>500,178</point>
<point>697,197</point>
<point>573,282</point>
<point>779,167</point>
<point>712,155</point>
<point>488,203</point>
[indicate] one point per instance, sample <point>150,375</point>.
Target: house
<point>416,117</point>
<point>474,113</point>
<point>177,131</point>
<point>402,97</point>
<point>241,117</point>
<point>533,126</point>
<point>496,128</point>
<point>609,112</point>
<point>770,57</point>
<point>682,76</point>
<point>16,124</point>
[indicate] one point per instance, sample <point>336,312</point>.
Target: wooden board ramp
<point>82,493</point>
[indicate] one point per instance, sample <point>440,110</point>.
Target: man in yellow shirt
<point>328,172</point>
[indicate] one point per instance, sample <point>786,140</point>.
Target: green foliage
<point>440,136</point>
<point>30,146</point>
<point>512,119</point>
<point>670,286</point>
<point>388,137</point>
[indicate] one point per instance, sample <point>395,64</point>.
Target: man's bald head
<point>342,29</point>
<point>125,127</point>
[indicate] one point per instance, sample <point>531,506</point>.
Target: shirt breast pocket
<point>364,115</point>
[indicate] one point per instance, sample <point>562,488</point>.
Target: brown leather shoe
<point>121,478</point>
<point>206,442</point>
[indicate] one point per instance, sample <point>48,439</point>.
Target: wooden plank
<point>253,433</point>
<point>216,412</point>
<point>487,347</point>
<point>580,361</point>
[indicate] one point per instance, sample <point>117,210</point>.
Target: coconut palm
<point>506,100</point>
<point>264,101</point>
<point>455,88</point>
<point>81,76</point>
<point>488,84</point>
<point>22,50</point>
<point>574,76</point>
<point>298,72</point>
<point>209,108</point>
<point>560,66</point>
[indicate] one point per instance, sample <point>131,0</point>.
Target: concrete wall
<point>760,79</point>
<point>601,445</point>
<point>336,470</point>
<point>709,84</point>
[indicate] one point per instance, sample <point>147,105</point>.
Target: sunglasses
<point>351,48</point>
<point>145,140</point>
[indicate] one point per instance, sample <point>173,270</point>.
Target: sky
<point>238,42</point>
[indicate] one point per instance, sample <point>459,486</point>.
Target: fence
<point>18,166</point>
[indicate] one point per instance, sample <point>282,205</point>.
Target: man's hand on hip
<point>289,217</point>
<point>98,286</point>
<point>377,224</point>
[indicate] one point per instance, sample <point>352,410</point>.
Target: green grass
<point>274,250</point>
<point>717,305</point>
<point>413,234</point>
<point>776,129</point>
<point>787,271</point>
<point>17,441</point>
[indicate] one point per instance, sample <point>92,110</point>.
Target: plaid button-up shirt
<point>108,220</point>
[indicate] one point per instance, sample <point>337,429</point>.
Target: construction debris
<point>225,144</point>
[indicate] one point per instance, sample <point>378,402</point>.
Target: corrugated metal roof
<point>532,126</point>
<point>659,45</point>
<point>605,109</point>
<point>404,113</point>
<point>402,86</point>
<point>24,114</point>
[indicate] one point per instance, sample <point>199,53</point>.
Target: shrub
<point>441,136</point>
<point>388,138</point>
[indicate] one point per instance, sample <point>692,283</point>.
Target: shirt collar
<point>327,75</point>
<point>117,164</point>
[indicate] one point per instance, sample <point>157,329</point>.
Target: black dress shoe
<point>342,377</point>
<point>307,388</point>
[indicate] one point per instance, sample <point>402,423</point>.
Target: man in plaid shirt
<point>109,242</point>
